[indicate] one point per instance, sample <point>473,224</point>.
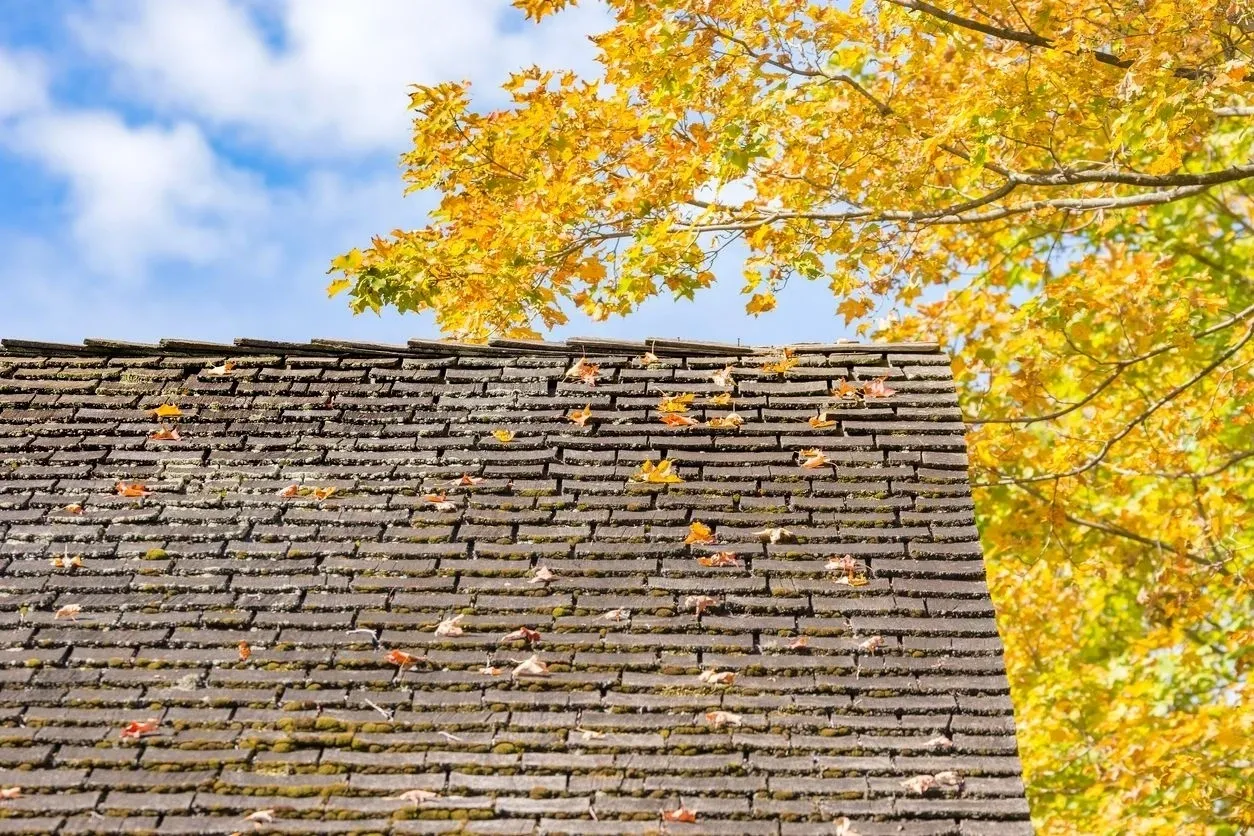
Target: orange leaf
<point>523,634</point>
<point>820,422</point>
<point>723,377</point>
<point>778,366</point>
<point>322,493</point>
<point>580,417</point>
<point>244,651</point>
<point>138,728</point>
<point>435,497</point>
<point>585,371</point>
<point>699,534</point>
<point>670,419</point>
<point>10,793</point>
<point>649,359</point>
<point>814,458</point>
<point>167,410</point>
<point>872,644</point>
<point>683,814</point>
<point>845,389</point>
<point>223,370</point>
<point>402,659</point>
<point>290,491</point>
<point>132,489</point>
<point>799,643</point>
<point>73,508</point>
<point>719,559</point>
<point>467,481</point>
<point>164,433</point>
<point>721,399</point>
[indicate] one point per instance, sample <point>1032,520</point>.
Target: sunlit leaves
<point>138,728</point>
<point>580,417</point>
<point>660,472</point>
<point>700,534</point>
<point>503,435</point>
<point>132,490</point>
<point>675,403</point>
<point>531,666</point>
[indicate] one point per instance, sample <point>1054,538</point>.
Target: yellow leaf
<point>660,472</point>
<point>504,436</point>
<point>338,286</point>
<point>760,303</point>
<point>167,411</point>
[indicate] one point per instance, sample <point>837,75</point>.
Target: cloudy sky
<point>189,167</point>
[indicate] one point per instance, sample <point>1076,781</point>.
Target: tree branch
<point>1027,38</point>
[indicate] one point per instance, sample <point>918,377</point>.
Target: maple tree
<point>1076,226</point>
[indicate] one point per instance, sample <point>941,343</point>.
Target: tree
<point>1059,191</point>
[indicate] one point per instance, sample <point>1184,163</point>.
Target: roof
<point>255,622</point>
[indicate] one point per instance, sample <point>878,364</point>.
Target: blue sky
<point>189,167</point>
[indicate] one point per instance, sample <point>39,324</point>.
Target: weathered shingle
<point>838,692</point>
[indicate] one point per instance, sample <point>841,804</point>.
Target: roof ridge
<point>666,347</point>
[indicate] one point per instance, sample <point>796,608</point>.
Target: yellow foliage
<point>1058,191</point>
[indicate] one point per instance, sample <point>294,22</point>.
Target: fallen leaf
<point>821,421</point>
<point>543,575</point>
<point>846,390</point>
<point>245,651</point>
<point>730,421</point>
<point>713,677</point>
<point>10,793</point>
<point>488,670</point>
<point>877,389</point>
<point>719,559</point>
<point>649,359</point>
<point>661,472</point>
<point>682,814</point>
<point>699,534</point>
<point>417,797</point>
<point>69,611</point>
<point>920,784</point>
<point>585,371</point>
<point>948,778</point>
<point>531,667</point>
<point>164,433</point>
<point>675,403</point>
<point>467,481</point>
<point>450,626</point>
<point>620,614</point>
<point>718,719</point>
<point>813,458</point>
<point>167,410</point>
<point>66,562</point>
<point>844,827</point>
<point>132,489</point>
<point>402,659</point>
<point>699,603</point>
<point>670,419</point>
<point>138,728</point>
<point>778,366</point>
<point>721,399</point>
<point>220,371</point>
<point>290,491</point>
<point>435,497</point>
<point>776,536</point>
<point>503,436</point>
<point>854,573</point>
<point>579,417</point>
<point>323,493</point>
<point>73,508</point>
<point>260,817</point>
<point>723,377</point>
<point>799,643</point>
<point>872,644</point>
<point>852,580</point>
<point>939,742</point>
<point>522,634</point>
<point>590,734</point>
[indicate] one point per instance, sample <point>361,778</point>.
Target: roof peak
<point>666,347</point>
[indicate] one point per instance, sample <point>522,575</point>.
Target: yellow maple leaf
<point>167,410</point>
<point>675,403</point>
<point>503,436</point>
<point>661,472</point>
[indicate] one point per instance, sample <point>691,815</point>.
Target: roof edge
<point>574,346</point>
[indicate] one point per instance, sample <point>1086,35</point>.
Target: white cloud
<point>335,78</point>
<point>138,195</point>
<point>23,83</point>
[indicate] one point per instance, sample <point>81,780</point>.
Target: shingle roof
<point>318,729</point>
